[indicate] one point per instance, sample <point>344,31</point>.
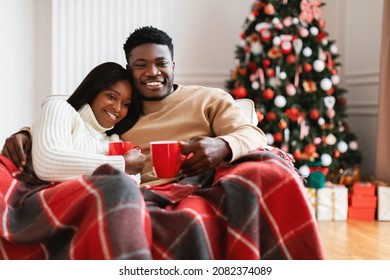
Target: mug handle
<point>138,148</point>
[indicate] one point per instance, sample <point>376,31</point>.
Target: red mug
<point>166,158</point>
<point>120,148</point>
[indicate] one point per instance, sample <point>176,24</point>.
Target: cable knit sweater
<point>68,144</point>
<point>194,111</point>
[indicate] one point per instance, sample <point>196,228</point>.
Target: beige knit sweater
<point>194,111</point>
<point>68,144</point>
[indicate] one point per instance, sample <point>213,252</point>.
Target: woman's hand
<point>134,161</point>
<point>17,148</point>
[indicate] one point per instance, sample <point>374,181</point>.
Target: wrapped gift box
<point>312,197</point>
<point>361,214</point>
<point>383,203</point>
<point>332,203</point>
<point>363,188</point>
<point>361,201</point>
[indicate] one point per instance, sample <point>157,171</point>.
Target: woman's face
<point>112,104</point>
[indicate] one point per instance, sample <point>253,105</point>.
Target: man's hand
<point>134,161</point>
<point>17,147</point>
<point>207,152</point>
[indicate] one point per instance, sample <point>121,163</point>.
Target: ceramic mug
<point>166,158</point>
<point>120,148</point>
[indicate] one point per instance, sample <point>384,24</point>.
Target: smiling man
<point>208,119</point>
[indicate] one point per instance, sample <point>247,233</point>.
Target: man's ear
<point>173,65</point>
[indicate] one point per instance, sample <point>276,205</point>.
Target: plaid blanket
<point>254,208</point>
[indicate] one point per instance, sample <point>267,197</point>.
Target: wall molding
<point>207,77</point>
<point>362,108</point>
<point>368,77</point>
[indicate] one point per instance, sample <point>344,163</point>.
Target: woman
<point>71,137</point>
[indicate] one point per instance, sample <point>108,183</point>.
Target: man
<point>231,204</point>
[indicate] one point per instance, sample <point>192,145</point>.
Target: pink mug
<point>120,148</point>
<point>166,158</point>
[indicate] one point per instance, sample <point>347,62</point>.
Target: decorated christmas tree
<point>288,66</point>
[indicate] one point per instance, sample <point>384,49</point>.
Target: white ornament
<point>331,139</point>
<point>256,48</point>
<point>280,101</point>
<point>335,79</point>
<point>325,42</point>
<point>333,49</point>
<point>317,141</point>
<point>283,75</point>
<point>251,17</point>
<point>295,20</point>
<point>329,101</point>
<point>276,41</point>
<point>255,85</point>
<point>342,147</point>
<point>270,138</point>
<point>353,145</point>
<point>304,170</point>
<point>275,20</point>
<point>242,43</point>
<point>321,121</point>
<point>326,84</point>
<point>314,31</point>
<point>319,65</point>
<point>326,159</point>
<point>297,45</point>
<point>291,90</point>
<point>307,52</point>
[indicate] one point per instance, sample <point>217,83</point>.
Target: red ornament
<point>260,116</point>
<point>270,72</point>
<point>270,116</point>
<point>293,114</point>
<point>330,91</point>
<point>268,94</point>
<point>336,154</point>
<point>265,35</point>
<point>286,47</point>
<point>342,101</point>
<point>266,62</point>
<point>240,92</point>
<point>282,124</point>
<point>297,154</point>
<point>291,59</point>
<point>307,67</point>
<point>314,114</point>
<point>242,35</point>
<point>242,71</point>
<point>269,9</point>
<point>309,150</point>
<point>278,137</point>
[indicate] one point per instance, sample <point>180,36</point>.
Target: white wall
<point>16,65</point>
<point>357,31</point>
<point>205,35</point>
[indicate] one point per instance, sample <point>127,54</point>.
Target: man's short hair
<point>144,35</point>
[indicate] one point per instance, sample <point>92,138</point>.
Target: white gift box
<point>383,203</point>
<point>332,203</point>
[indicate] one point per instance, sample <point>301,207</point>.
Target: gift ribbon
<point>323,170</point>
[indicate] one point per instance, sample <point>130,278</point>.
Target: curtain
<point>382,170</point>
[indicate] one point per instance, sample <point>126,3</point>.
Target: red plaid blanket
<point>254,208</point>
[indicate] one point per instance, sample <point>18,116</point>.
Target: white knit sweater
<point>68,144</point>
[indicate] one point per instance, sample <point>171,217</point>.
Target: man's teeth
<point>153,83</point>
<point>112,116</point>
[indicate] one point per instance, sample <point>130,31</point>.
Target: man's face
<point>153,70</point>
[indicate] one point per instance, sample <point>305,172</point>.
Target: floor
<point>356,240</point>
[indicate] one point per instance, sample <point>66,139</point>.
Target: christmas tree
<point>288,66</point>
